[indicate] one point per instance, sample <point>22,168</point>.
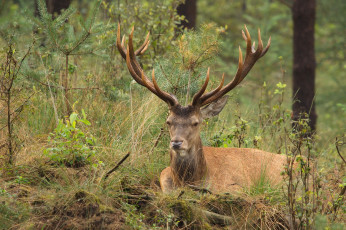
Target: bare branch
<point>337,148</point>
<point>117,166</point>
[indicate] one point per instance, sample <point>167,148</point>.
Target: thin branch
<point>216,218</point>
<point>157,140</point>
<point>117,166</point>
<point>18,113</point>
<point>337,149</point>
<point>61,87</point>
<point>180,194</point>
<point>84,88</point>
<point>202,53</point>
<point>202,190</point>
<point>26,54</point>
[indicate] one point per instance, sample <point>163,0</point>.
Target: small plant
<point>235,136</point>
<point>11,99</point>
<point>133,219</point>
<point>62,37</point>
<point>21,180</point>
<point>71,146</point>
<point>263,186</point>
<point>302,181</point>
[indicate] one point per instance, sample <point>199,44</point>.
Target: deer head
<point>184,121</point>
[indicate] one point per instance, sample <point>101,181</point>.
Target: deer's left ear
<point>214,108</point>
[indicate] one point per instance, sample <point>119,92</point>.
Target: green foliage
<point>154,16</point>
<point>128,117</point>
<point>271,120</point>
<point>322,223</point>
<point>234,136</point>
<point>12,214</point>
<point>134,219</point>
<point>158,17</point>
<point>263,186</point>
<point>183,69</point>
<point>271,17</point>
<point>61,34</point>
<point>21,180</point>
<point>71,145</point>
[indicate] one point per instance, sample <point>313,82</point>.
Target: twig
<point>136,197</point>
<point>202,190</point>
<point>61,87</point>
<point>180,194</point>
<point>84,88</point>
<point>217,218</point>
<point>18,110</point>
<point>25,56</point>
<point>337,149</point>
<point>157,140</point>
<point>117,166</point>
<point>337,203</point>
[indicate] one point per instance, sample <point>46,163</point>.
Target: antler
<point>136,70</point>
<point>251,57</point>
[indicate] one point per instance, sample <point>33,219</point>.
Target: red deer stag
<point>219,169</point>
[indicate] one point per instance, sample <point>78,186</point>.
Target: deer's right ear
<point>214,108</point>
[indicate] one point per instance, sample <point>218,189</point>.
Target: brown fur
<point>225,169</point>
<point>218,169</point>
<point>188,170</point>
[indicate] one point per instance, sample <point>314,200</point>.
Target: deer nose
<point>176,144</point>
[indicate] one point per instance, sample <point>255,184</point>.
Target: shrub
<point>71,146</point>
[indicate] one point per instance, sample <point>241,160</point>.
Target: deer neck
<point>191,167</point>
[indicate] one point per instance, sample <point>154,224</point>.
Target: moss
<point>91,199</point>
<point>87,197</point>
<point>184,213</point>
<point>106,209</point>
<point>224,204</point>
<point>181,209</point>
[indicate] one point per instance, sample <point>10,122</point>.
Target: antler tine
<point>251,58</point>
<point>236,80</point>
<point>197,96</point>
<point>144,46</point>
<point>247,38</point>
<point>135,65</point>
<point>143,80</point>
<point>213,92</point>
<point>121,45</point>
<point>137,72</point>
<point>267,47</point>
<point>131,70</point>
<point>260,43</point>
<point>148,84</point>
<point>162,94</point>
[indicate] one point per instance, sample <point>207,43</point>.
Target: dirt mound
<point>82,211</point>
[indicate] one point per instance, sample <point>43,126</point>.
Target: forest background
<point>70,111</point>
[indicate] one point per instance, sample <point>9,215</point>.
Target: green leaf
<point>83,113</point>
<point>73,118</point>
<point>86,122</point>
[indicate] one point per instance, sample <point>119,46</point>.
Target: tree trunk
<point>304,62</point>
<point>189,10</point>
<point>54,6</point>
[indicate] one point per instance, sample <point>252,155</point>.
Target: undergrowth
<point>57,179</point>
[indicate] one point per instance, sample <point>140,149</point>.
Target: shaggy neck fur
<point>191,168</point>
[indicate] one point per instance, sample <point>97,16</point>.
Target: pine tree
<point>61,37</point>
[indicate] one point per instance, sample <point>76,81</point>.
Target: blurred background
<point>67,98</point>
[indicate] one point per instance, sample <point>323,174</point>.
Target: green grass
<point>124,118</point>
